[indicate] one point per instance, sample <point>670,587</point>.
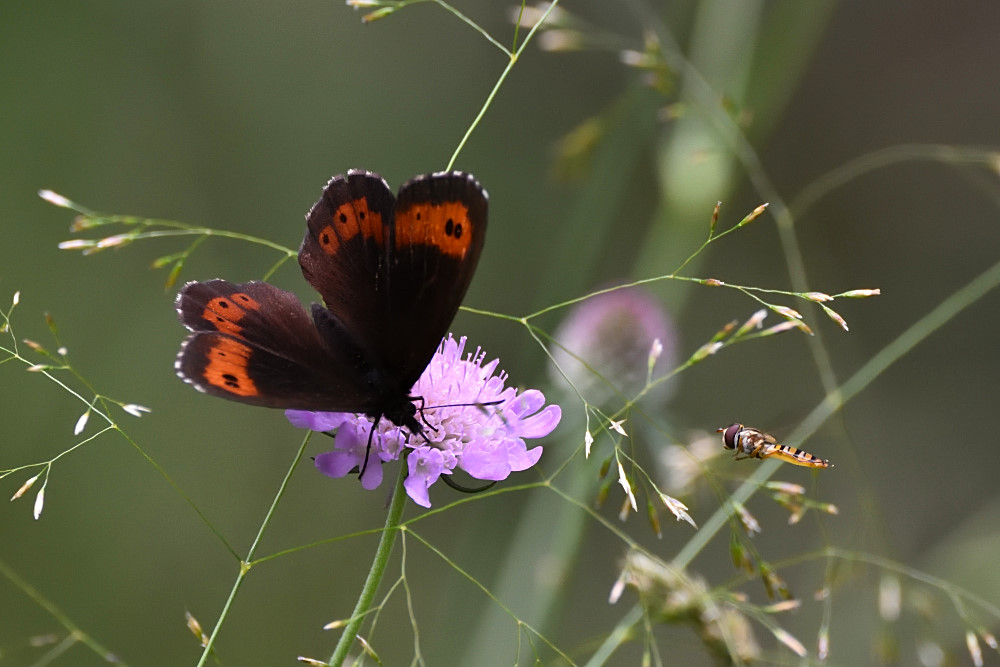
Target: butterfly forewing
<point>343,253</point>
<point>440,228</point>
<point>393,272</point>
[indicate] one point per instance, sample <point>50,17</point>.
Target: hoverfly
<point>751,443</point>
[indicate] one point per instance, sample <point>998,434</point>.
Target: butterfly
<point>392,272</point>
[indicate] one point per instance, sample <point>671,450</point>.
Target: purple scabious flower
<point>615,338</point>
<point>471,421</point>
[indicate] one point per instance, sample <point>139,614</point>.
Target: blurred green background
<point>234,115</point>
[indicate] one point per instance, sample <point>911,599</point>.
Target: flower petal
<point>416,489</point>
<point>482,463</point>
<point>372,476</point>
<point>521,458</point>
<point>316,421</point>
<point>425,466</point>
<point>527,403</point>
<point>336,464</point>
<point>541,424</point>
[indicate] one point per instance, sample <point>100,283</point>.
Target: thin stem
<point>618,636</point>
<point>247,563</point>
<point>74,632</point>
<point>475,26</point>
<point>379,564</point>
<point>208,231</point>
<point>496,88</point>
<point>885,157</point>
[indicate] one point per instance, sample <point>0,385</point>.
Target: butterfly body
<point>392,272</point>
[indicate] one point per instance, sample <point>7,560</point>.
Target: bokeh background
<point>233,115</point>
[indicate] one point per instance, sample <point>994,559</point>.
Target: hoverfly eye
<point>729,437</point>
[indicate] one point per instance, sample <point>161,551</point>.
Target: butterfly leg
<point>421,411</point>
<point>368,450</point>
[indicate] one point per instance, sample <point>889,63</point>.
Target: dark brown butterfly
<point>392,272</point>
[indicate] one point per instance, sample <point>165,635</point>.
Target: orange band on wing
<point>348,221</point>
<point>228,360</point>
<point>226,312</point>
<point>445,226</point>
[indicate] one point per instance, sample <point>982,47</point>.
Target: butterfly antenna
<point>481,406</point>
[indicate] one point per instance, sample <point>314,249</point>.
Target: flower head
<point>613,333</point>
<point>471,421</point>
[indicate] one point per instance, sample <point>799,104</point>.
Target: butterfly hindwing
<point>254,343</point>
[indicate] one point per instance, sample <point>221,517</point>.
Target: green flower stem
<point>622,633</point>
<point>246,563</point>
<point>378,569</point>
